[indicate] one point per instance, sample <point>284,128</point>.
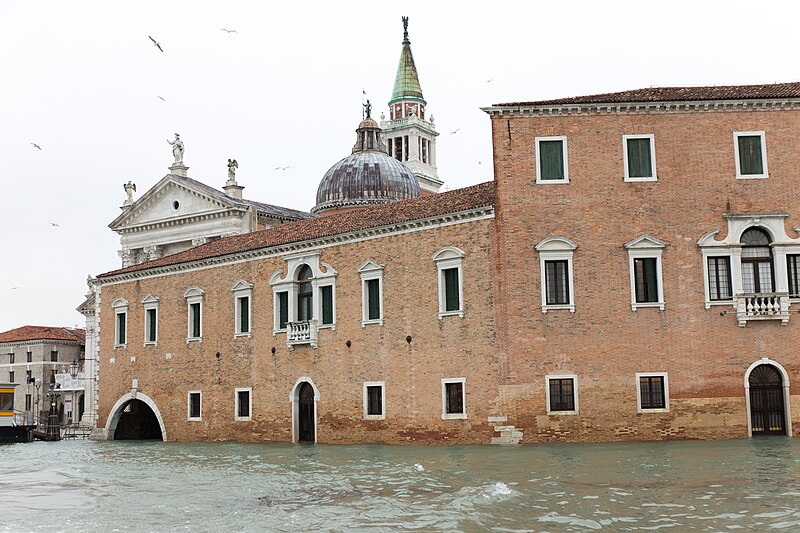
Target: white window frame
<point>149,303</point>
<point>739,175</point>
<point>193,295</point>
<point>276,312</point>
<point>646,247</point>
<point>236,392</point>
<point>371,270</point>
<point>454,416</point>
<point>242,289</point>
<point>382,385</point>
<point>318,303</point>
<point>556,249</point>
<point>639,408</point>
<point>574,379</point>
<point>654,176</point>
<point>563,139</point>
<point>189,416</point>
<point>120,307</point>
<point>446,258</point>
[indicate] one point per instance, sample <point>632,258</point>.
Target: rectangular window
<point>243,405</point>
<point>374,400</point>
<point>150,319</point>
<point>326,293</point>
<point>194,320</point>
<point>719,279</point>
<point>453,398</point>
<point>646,279</point>
<point>195,405</point>
<point>639,155</point>
<point>54,355</point>
<point>11,358</point>
<point>651,390</point>
<point>11,376</point>
<point>28,376</point>
<point>551,160</point>
<point>30,357</point>
<point>28,402</point>
<point>793,269</point>
<point>283,309</point>
<point>451,290</point>
<point>561,394</point>
<point>243,314</point>
<point>373,299</point>
<point>122,322</point>
<point>557,282</point>
<point>7,400</point>
<point>751,154</point>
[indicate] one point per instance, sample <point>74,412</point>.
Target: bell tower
<point>410,137</point>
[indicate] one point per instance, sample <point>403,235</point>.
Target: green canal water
<point>153,486</point>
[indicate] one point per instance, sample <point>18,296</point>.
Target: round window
<point>175,205</point>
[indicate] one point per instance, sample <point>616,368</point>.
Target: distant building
<point>33,356</point>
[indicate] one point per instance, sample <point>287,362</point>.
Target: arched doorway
<point>766,401</point>
<point>135,417</point>
<point>304,398</point>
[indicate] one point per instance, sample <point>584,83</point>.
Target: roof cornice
<point>180,221</point>
<point>616,108</point>
<point>459,217</point>
<point>10,344</point>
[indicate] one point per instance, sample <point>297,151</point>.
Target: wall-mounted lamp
<point>219,355</point>
<point>273,350</point>
<point>408,339</point>
<point>348,344</point>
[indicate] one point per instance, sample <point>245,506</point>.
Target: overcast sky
<point>82,80</point>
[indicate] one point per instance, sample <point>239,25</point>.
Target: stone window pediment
<point>150,300</point>
<point>193,292</point>
<point>645,242</point>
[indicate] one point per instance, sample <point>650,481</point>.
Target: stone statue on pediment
<point>177,149</point>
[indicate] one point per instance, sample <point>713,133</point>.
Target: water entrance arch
<point>767,396</point>
<point>304,398</point>
<point>135,417</point>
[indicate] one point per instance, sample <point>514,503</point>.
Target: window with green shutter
<point>283,309</point>
<point>244,314</point>
<point>646,279</point>
<point>327,304</point>
<point>750,155</point>
<point>452,299</point>
<point>551,160</point>
<point>639,155</point>
<point>194,313</point>
<point>373,299</point>
<point>122,322</point>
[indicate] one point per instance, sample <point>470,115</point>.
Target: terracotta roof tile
<point>481,195</point>
<point>50,333</point>
<point>679,94</point>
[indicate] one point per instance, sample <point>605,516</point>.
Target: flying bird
<point>490,80</point>
<point>227,30</point>
<point>161,98</point>
<point>284,168</point>
<point>36,146</point>
<point>55,225</point>
<point>13,288</point>
<point>455,131</point>
<point>156,44</point>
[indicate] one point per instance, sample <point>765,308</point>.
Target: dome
<point>366,177</point>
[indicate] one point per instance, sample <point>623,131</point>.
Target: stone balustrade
<point>301,332</point>
<point>762,306</point>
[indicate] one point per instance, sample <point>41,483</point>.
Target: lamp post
<point>53,425</point>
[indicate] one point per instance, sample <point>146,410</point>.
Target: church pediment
<point>170,199</point>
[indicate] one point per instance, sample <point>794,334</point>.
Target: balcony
<point>301,332</point>
<point>762,306</point>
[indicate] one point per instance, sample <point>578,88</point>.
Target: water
<point>155,486</point>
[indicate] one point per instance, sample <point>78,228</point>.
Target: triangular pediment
<point>645,242</point>
<point>172,198</point>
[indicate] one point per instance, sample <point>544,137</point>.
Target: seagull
<point>490,80</point>
<point>161,98</point>
<point>13,288</point>
<point>36,146</point>
<point>455,131</point>
<point>55,225</point>
<point>156,43</point>
<point>284,168</point>
<point>227,30</point>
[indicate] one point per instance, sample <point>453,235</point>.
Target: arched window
<point>757,269</point>
<point>305,294</point>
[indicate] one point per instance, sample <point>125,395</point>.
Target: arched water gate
<point>766,385</point>
<point>135,417</point>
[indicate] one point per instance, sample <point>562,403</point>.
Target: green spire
<point>406,83</point>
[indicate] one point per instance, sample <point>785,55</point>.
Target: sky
<point>82,80</point>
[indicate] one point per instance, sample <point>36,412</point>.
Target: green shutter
<point>639,163</point>
<point>151,325</point>
<point>651,279</point>
<point>121,328</point>
<point>373,299</point>
<point>750,162</point>
<point>551,160</point>
<point>283,309</point>
<point>244,315</point>
<point>196,321</point>
<point>327,304</point>
<point>451,296</point>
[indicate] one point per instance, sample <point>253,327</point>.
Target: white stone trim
<point>574,379</point>
<point>787,403</point>
<point>242,289</point>
<point>249,391</point>
<point>563,139</point>
<point>639,408</point>
<point>370,270</point>
<point>294,398</point>
<point>447,258</point>
<point>120,306</point>
<point>762,135</point>
<point>646,247</point>
<point>556,249</point>
<point>189,416</point>
<point>454,416</point>
<point>365,396</point>
<point>149,303</point>
<point>654,175</point>
<point>116,413</point>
